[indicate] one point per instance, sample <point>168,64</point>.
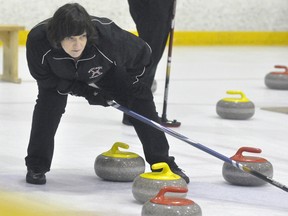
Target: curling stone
<point>277,80</point>
<point>162,205</point>
<point>147,185</point>
<point>115,165</point>
<point>235,108</point>
<point>236,176</point>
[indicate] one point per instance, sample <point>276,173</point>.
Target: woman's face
<point>74,45</point>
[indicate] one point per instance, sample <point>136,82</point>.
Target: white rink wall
<point>191,15</point>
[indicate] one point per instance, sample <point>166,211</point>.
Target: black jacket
<point>114,49</point>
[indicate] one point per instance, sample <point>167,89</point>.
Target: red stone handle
<point>172,189</point>
<point>285,72</point>
<point>239,156</point>
<point>161,199</point>
<point>247,149</point>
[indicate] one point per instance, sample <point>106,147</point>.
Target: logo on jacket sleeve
<point>95,72</point>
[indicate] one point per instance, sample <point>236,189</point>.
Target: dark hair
<point>69,20</point>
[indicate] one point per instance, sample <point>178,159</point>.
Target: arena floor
<point>200,76</point>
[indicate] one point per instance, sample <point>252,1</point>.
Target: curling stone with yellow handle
<point>121,166</point>
<point>147,185</point>
<point>277,80</point>
<point>162,205</point>
<point>235,108</point>
<point>236,176</point>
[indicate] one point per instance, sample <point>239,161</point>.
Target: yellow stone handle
<point>242,98</point>
<point>116,145</point>
<point>116,153</point>
<point>164,166</point>
<point>164,174</point>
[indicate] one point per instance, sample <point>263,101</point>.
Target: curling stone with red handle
<point>115,165</point>
<point>147,185</point>
<point>162,205</point>
<point>277,80</point>
<point>235,108</point>
<point>236,176</point>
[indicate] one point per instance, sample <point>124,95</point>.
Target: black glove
<point>97,97</point>
<point>94,96</point>
<point>75,88</point>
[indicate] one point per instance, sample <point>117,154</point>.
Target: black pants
<point>153,23</point>
<point>50,106</point>
<point>46,117</point>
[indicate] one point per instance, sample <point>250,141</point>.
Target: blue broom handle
<point>197,145</point>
